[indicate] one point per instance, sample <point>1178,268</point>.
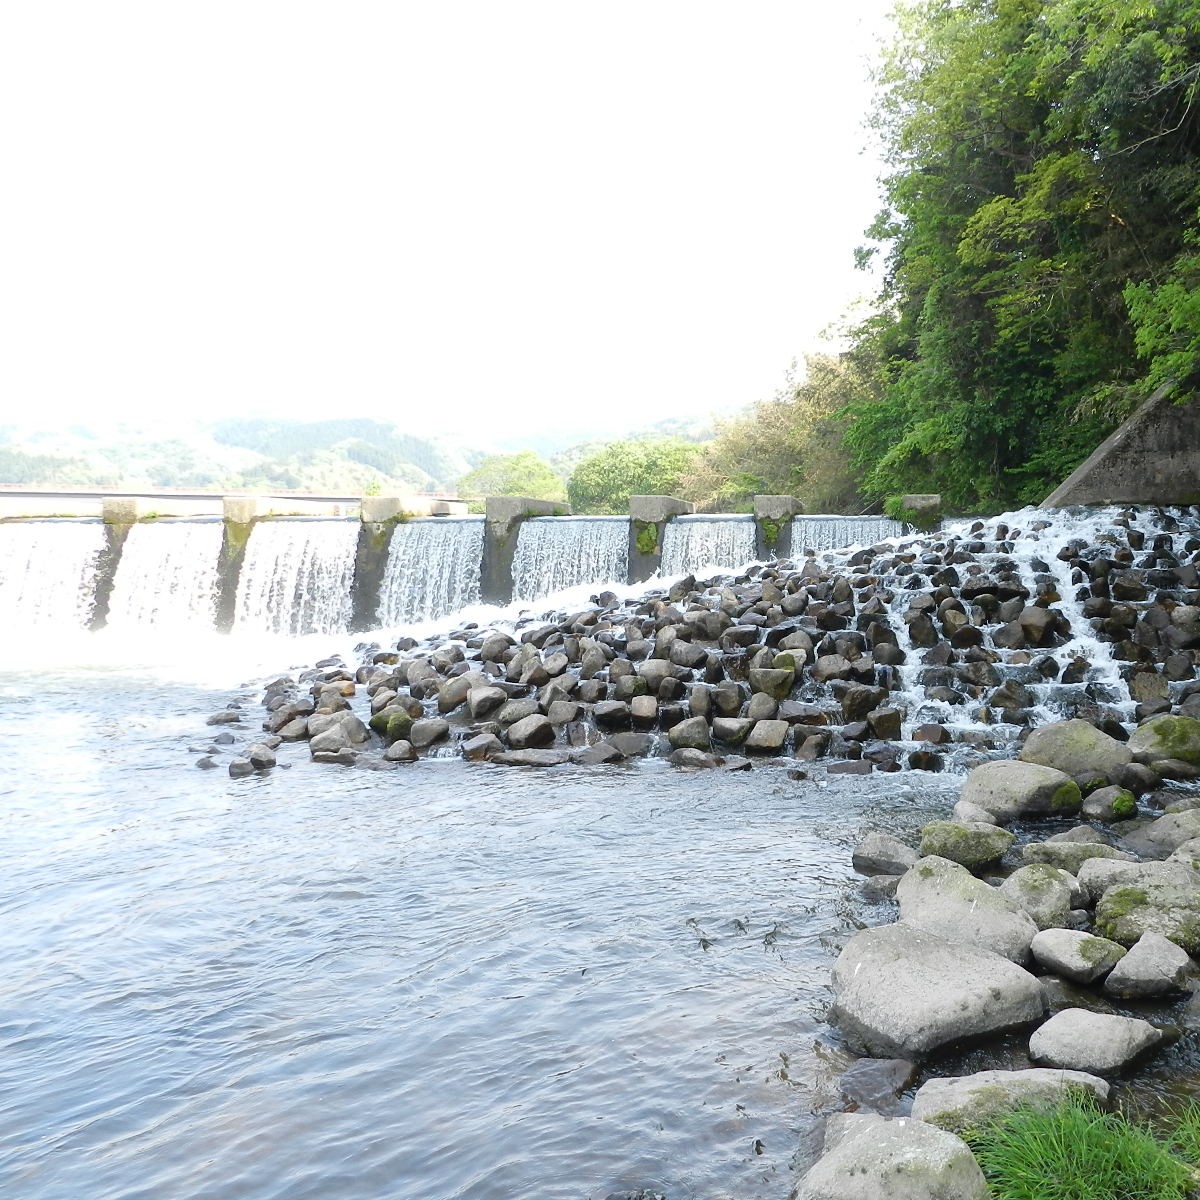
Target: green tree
<point>1043,172</point>
<point>524,474</point>
<point>604,481</point>
<point>791,445</point>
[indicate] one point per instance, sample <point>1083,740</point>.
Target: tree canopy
<point>1039,228</point>
<point>604,481</point>
<point>524,474</point>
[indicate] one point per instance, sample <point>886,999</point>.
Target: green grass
<point>1077,1152</point>
<point>1184,1136</point>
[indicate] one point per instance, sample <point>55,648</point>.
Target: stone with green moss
<point>1162,906</point>
<point>972,844</point>
<point>1077,748</point>
<point>1074,955</point>
<point>1167,736</point>
<point>646,538</point>
<point>1070,856</point>
<point>1043,891</point>
<point>1009,789</point>
<point>964,1102</point>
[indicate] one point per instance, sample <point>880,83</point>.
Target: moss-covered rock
<point>1160,906</point>
<point>1166,736</point>
<point>972,844</point>
<point>1077,748</point>
<point>1009,789</point>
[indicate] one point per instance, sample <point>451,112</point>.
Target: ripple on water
<point>433,983</point>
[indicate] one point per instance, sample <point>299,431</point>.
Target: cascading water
<point>433,569</point>
<point>297,577</point>
<point>48,572</point>
<point>824,532</point>
<point>554,553</point>
<point>167,576</point>
<point>693,543</point>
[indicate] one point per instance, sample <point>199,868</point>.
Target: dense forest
<point>1038,265</point>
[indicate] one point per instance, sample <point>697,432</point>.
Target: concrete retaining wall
<point>1154,458</point>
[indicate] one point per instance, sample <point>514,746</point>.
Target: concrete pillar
<point>922,509</point>
<point>370,563</point>
<point>773,525</point>
<point>502,525</point>
<point>241,513</point>
<point>119,514</point>
<point>648,517</point>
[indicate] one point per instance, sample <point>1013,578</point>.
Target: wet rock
<point>688,756</point>
<point>767,737</point>
<point>402,751</point>
<point>1110,804</point>
<point>531,758</point>
<point>867,1157</point>
<point>963,1102</point>
<point>1161,836</point>
<point>1070,856</point>
<point>902,992</point>
<point>882,854</point>
<point>1166,737</point>
<point>481,746</point>
<point>732,730</point>
<point>692,734</point>
<point>240,767</point>
<point>262,758</point>
<point>1163,906</point>
<point>1099,1043</point>
<point>428,731</point>
<point>875,1083</point>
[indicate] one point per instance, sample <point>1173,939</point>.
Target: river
<point>446,980</point>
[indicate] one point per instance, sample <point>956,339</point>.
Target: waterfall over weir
<point>554,553</point>
<point>298,576</point>
<point>827,532</point>
<point>167,576</point>
<point>433,569</point>
<point>48,572</point>
<point>693,543</point>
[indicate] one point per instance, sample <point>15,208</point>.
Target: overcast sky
<point>474,216</point>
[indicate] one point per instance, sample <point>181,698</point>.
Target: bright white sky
<point>471,217</point>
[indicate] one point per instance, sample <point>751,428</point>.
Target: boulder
<point>1166,737</point>
<point>775,683</point>
<point>941,897</point>
<point>1072,954</point>
<point>901,992</point>
<point>767,737</point>
<point>531,758</point>
<point>691,758</point>
<point>511,712</point>
<point>1110,804</point>
<point>1046,893</point>
<point>733,730</point>
<point>401,751</point>
<point>691,734</point>
<point>882,854</point>
<point>1077,748</point>
<point>1070,856</point>
<point>868,1157</point>
<point>481,746</point>
<point>1153,966</point>
<point>530,731</point>
<point>1164,906</point>
<point>240,767</point>
<point>1097,875</point>
<point>1099,1043</point>
<point>965,1101</point>
<point>427,731</point>
<point>972,844</point>
<point>1009,789</point>
<point>1164,835</point>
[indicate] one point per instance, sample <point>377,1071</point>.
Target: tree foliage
<point>604,481</point>
<point>524,474</point>
<point>1043,186</point>
<point>788,445</point>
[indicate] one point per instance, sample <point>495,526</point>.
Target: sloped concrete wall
<point>1154,458</point>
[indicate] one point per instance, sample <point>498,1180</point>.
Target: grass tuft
<point>1075,1151</point>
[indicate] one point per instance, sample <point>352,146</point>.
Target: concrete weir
<point>1153,458</point>
<point>414,558</point>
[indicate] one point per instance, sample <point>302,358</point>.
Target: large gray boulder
<point>942,897</point>
<point>902,992</point>
<point>691,734</point>
<point>961,1102</point>
<point>868,1157</point>
<point>972,844</point>
<point>1166,736</point>
<point>1164,835</point>
<point>1152,967</point>
<point>1164,906</point>
<point>1076,748</point>
<point>1097,875</point>
<point>1098,1043</point>
<point>1072,954</point>
<point>1046,893</point>
<point>1070,856</point>
<point>1009,789</point>
<point>530,732</point>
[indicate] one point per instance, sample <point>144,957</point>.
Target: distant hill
<point>348,456</point>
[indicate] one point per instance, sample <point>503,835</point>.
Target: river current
<point>445,980</point>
